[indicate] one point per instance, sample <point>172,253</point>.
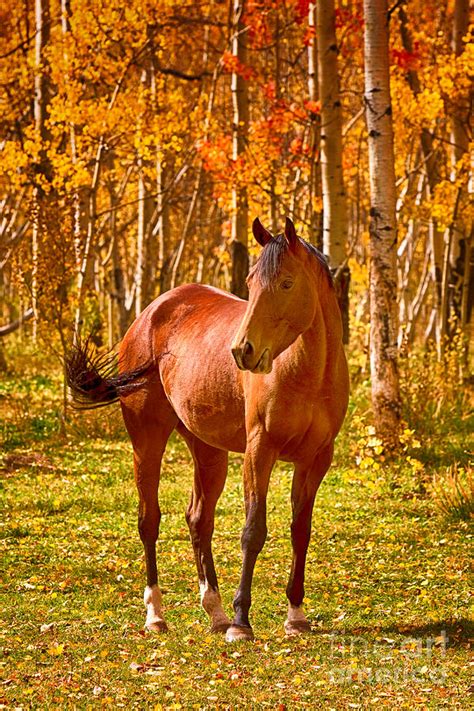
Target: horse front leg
<point>306,481</point>
<point>258,463</point>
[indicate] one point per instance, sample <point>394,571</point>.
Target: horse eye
<point>287,284</point>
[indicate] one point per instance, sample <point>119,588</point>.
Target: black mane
<point>269,263</point>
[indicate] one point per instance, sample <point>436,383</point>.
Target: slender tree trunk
<point>144,287</point>
<point>86,261</point>
<point>171,269</point>
<point>450,241</point>
<point>186,228</point>
<point>162,230</point>
<point>383,228</point>
<point>141,231</point>
<point>148,207</point>
<point>119,291</point>
<point>80,204</point>
<point>314,132</point>
<point>458,235</point>
<point>334,196</point>
<point>430,157</point>
<point>467,300</point>
<point>163,226</point>
<point>274,164</point>
<point>41,99</point>
<point>240,102</point>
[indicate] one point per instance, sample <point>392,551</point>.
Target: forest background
<point>139,143</point>
<point>139,140</point>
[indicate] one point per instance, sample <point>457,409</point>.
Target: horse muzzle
<point>247,359</point>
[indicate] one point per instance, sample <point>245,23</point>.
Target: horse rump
<point>93,379</point>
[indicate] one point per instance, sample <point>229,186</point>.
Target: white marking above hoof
<point>296,622</point>
<point>221,627</point>
<point>296,628</point>
<point>156,626</point>
<point>237,633</point>
<point>155,621</point>
<point>211,602</point>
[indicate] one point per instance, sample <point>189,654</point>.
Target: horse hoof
<point>220,627</point>
<point>238,632</point>
<point>157,626</point>
<point>297,627</point>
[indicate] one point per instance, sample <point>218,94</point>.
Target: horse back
<point>187,333</point>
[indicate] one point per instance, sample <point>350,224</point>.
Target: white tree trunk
<point>162,204</point>
<point>141,241</point>
<point>383,228</point>
<point>162,229</point>
<point>314,131</point>
<point>334,196</point>
<point>430,157</point>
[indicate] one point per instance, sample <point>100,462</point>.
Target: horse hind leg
<point>149,442</point>
<point>149,516</point>
<point>306,481</point>
<point>210,471</point>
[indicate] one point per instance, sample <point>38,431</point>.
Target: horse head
<point>282,298</point>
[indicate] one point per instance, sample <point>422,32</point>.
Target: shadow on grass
<point>457,633</point>
<point>434,458</point>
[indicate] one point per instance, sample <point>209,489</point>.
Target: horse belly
<point>208,401</point>
<point>212,431</point>
<point>217,425</point>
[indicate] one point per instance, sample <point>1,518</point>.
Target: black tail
<point>92,377</point>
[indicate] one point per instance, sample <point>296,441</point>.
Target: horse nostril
<point>247,349</point>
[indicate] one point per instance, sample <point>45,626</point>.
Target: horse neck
<point>317,347</point>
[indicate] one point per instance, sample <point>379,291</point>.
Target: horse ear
<point>262,235</point>
<point>290,233</point>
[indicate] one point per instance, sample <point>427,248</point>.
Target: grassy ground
<point>387,577</point>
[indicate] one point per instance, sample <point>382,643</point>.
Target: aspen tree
<point>459,238</point>
<point>41,99</point>
<point>430,158</point>
<point>274,168</point>
<point>143,288</point>
<point>240,103</point>
<point>334,196</point>
<point>383,227</point>
<point>314,215</point>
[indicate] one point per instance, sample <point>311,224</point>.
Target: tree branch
<point>183,75</point>
<point>14,325</point>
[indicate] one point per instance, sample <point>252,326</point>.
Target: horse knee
<point>193,525</point>
<point>148,526</point>
<point>242,603</point>
<point>301,533</point>
<point>200,526</point>
<point>254,534</point>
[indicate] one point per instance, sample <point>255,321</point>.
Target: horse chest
<point>297,422</point>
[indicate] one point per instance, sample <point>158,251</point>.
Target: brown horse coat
<point>267,377</point>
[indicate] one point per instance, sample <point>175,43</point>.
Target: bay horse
<point>267,377</point>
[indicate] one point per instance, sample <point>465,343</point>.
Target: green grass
<point>387,580</point>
